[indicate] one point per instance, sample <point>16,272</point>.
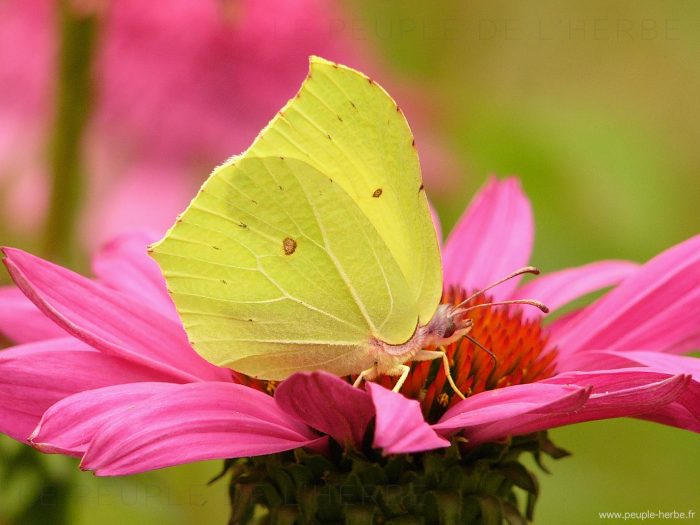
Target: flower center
<point>519,345</point>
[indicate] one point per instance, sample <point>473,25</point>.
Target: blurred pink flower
<point>118,384</point>
<point>178,90</point>
<point>26,101</point>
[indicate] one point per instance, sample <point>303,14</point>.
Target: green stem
<point>74,94</point>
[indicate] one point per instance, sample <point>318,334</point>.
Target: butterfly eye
<point>450,328</point>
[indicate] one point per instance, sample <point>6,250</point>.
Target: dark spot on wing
<point>422,187</point>
<point>289,245</point>
<point>353,104</point>
<point>413,142</point>
<point>253,201</point>
<point>335,65</point>
<point>398,109</point>
<point>370,80</point>
<point>281,188</point>
<point>340,118</point>
<point>223,281</point>
<point>242,225</point>
<point>329,136</point>
<point>216,247</point>
<point>377,193</point>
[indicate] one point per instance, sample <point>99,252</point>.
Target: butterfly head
<point>450,322</point>
<point>448,325</point>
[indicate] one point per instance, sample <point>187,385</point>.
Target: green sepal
<point>457,485</point>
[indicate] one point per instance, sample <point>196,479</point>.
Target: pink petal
<point>611,381</point>
<point>328,404</point>
<point>69,425</point>
<point>593,395</point>
<point>199,421</point>
<point>559,288</point>
<point>620,393</point>
<point>685,411</point>
<point>124,265</point>
<point>511,405</point>
<point>674,415</point>
<point>564,323</point>
<point>493,238</point>
<point>108,320</point>
<point>673,364</point>
<point>657,308</point>
<point>34,376</point>
<point>21,321</point>
<point>400,427</point>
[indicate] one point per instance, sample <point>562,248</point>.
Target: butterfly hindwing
<point>274,268</point>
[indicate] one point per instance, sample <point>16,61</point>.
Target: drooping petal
<point>493,238</point>
<point>511,405</point>
<point>68,426</point>
<point>675,415</point>
<point>400,427</point>
<point>34,376</point>
<point>657,308</point>
<point>594,395</point>
<point>198,421</point>
<point>328,404</point>
<point>21,321</point>
<point>685,411</point>
<point>618,393</point>
<point>124,265</point>
<point>559,288</point>
<point>108,320</point>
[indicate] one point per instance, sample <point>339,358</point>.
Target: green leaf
<point>491,511</point>
<point>512,514</point>
<point>519,476</point>
<point>360,515</point>
<point>443,508</point>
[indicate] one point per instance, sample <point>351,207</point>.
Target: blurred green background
<point>595,106</point>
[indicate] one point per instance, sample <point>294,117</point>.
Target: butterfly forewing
<point>345,125</point>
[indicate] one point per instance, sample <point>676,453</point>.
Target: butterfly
<point>315,248</point>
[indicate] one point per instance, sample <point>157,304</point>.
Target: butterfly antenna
<point>530,302</point>
<point>521,271</point>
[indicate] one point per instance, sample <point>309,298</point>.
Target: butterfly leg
<point>429,355</point>
<point>404,374</point>
<point>370,372</point>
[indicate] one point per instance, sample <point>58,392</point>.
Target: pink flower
<point>104,370</point>
<point>177,90</point>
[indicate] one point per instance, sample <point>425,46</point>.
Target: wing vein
<point>335,261</point>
